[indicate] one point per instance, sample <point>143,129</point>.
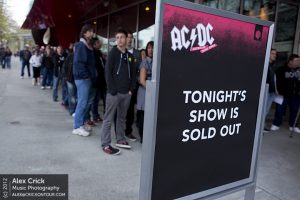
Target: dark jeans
<point>72,97</point>
<point>25,63</point>
<point>293,103</point>
<point>64,89</point>
<point>8,61</point>
<point>130,114</point>
<point>100,94</point>
<point>2,60</point>
<point>47,77</point>
<point>140,122</point>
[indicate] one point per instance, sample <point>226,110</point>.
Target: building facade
<point>139,16</point>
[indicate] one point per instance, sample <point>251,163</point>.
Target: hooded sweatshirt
<point>288,81</point>
<point>120,72</point>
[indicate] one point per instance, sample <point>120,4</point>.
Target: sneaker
<point>131,137</point>
<point>110,150</point>
<point>266,130</point>
<point>21,77</point>
<point>296,129</point>
<point>123,144</point>
<point>274,128</point>
<point>87,127</point>
<point>42,87</point>
<point>80,131</point>
<point>48,87</point>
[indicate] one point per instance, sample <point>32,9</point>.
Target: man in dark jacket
<point>25,56</point>
<point>271,81</point>
<point>100,83</point>
<point>288,85</point>
<point>130,112</point>
<point>84,71</point>
<point>120,74</point>
<point>69,78</point>
<point>59,59</point>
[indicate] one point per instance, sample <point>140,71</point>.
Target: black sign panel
<point>211,74</point>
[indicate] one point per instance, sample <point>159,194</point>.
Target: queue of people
<point>86,77</point>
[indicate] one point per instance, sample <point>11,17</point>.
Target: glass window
<point>145,36</point>
<point>262,9</point>
<point>126,19</point>
<point>230,5</point>
<point>286,22</point>
<point>101,32</point>
<point>146,23</point>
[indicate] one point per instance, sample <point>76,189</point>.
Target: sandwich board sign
<point>204,102</point>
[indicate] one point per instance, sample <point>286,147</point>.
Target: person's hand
<point>130,93</point>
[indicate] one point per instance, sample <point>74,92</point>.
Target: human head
<point>87,32</point>
<point>143,53</point>
<point>121,36</point>
<point>36,52</point>
<point>96,43</point>
<point>129,39</point>
<point>149,49</point>
<point>294,61</point>
<point>48,50</point>
<point>59,50</point>
<point>273,55</point>
<point>71,46</point>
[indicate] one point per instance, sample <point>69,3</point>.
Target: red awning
<point>64,18</point>
<point>61,16</point>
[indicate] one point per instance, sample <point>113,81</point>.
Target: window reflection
<point>262,9</point>
<point>286,22</point>
<point>145,36</point>
<point>229,5</point>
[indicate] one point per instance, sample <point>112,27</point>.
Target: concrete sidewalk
<point>35,138</point>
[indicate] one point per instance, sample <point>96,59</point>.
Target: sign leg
<point>250,193</point>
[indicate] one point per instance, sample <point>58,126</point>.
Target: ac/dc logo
<point>184,38</point>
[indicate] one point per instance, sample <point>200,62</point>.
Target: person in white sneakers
<point>288,85</point>
<point>36,62</point>
<point>84,71</point>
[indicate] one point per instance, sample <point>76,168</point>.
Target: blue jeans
<point>293,103</point>
<point>72,97</point>
<point>47,77</point>
<point>25,63</point>
<point>7,61</point>
<point>64,88</point>
<point>83,90</point>
<point>269,102</point>
<point>56,81</point>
